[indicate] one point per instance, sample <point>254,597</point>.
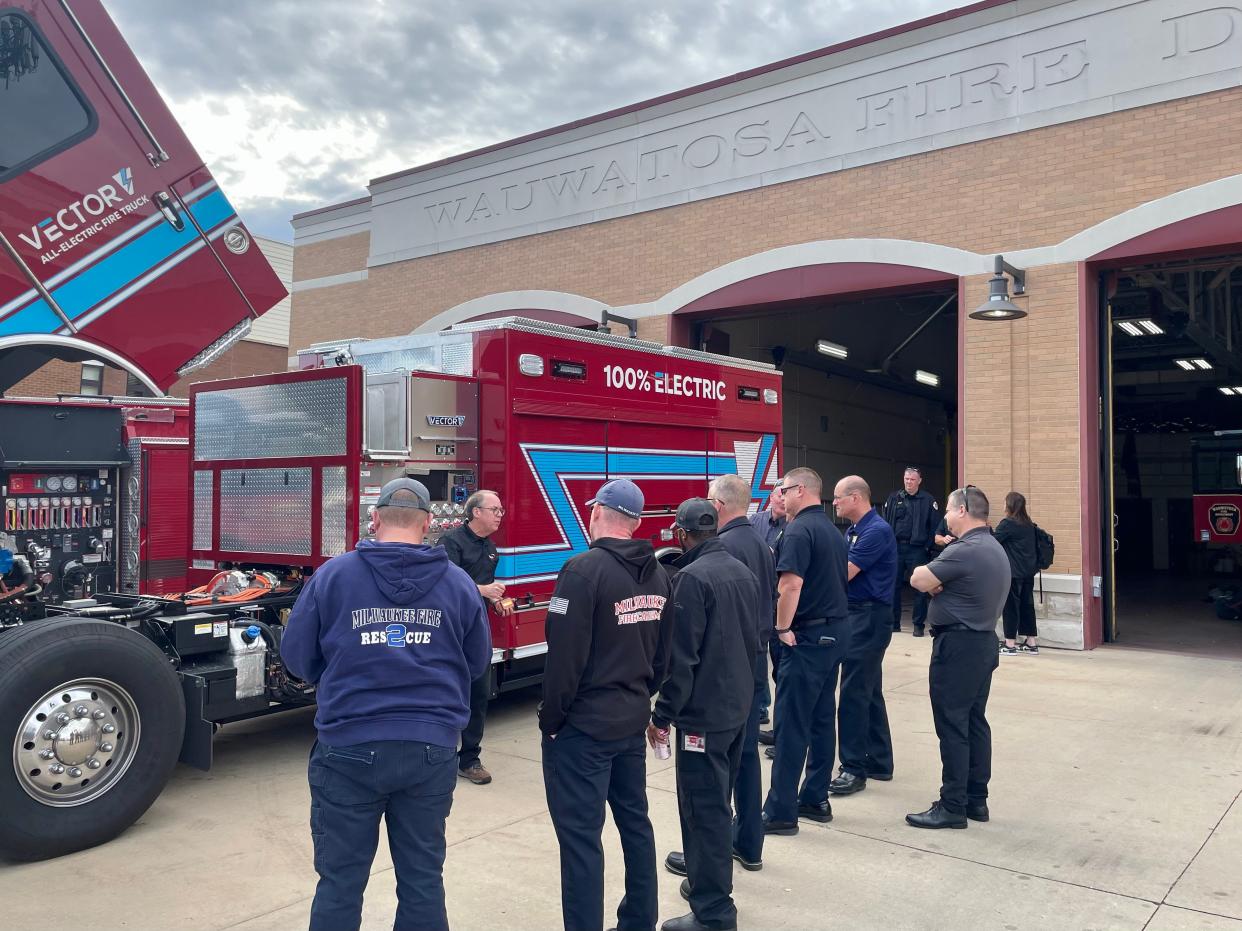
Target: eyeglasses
<point>785,489</point>
<point>964,491</point>
<point>498,511</point>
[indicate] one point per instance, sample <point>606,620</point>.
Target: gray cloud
<point>298,104</point>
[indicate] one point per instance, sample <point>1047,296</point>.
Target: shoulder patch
<point>558,606</point>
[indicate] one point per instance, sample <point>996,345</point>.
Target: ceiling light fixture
<point>1184,364</point>
<point>927,378</point>
<point>1223,390</point>
<point>836,350</point>
<point>1150,326</point>
<point>1127,327</point>
<point>1202,364</point>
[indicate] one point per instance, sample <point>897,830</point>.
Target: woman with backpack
<point>1017,534</point>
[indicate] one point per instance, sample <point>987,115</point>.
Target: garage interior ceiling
<point>1197,307</point>
<point>889,338</point>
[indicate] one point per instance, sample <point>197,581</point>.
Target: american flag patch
<point>558,606</point>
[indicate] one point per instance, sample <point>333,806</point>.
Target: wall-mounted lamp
<point>998,306</point>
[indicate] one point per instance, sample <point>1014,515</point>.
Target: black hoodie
<point>607,644</point>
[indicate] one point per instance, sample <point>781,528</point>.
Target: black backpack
<point>1045,549</point>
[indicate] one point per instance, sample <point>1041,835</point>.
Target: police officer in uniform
<point>865,742</point>
<point>913,514</point>
<point>731,497</point>
<point>709,694</point>
<point>969,583</point>
<point>607,645</point>
<point>471,548</point>
<point>812,624</point>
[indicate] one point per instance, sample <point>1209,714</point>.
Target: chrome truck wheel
<point>94,714</point>
<point>76,742</point>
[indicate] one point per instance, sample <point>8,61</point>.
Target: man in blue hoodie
<point>393,634</point>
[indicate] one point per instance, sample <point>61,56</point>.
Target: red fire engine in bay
<point>278,476</point>
<point>151,548</point>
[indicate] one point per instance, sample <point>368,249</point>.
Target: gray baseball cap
<point>695,515</point>
<point>422,498</point>
<point>621,495</point>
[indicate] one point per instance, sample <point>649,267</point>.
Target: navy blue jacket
<point>393,634</point>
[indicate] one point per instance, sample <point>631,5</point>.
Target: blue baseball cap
<point>622,496</point>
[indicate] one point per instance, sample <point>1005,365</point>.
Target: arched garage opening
<point>869,354</point>
<point>1164,312</point>
<point>549,306</point>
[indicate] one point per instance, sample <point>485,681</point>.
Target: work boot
<point>476,774</point>
<point>977,811</point>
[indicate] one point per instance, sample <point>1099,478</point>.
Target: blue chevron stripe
<point>550,465</point>
<point>78,295</point>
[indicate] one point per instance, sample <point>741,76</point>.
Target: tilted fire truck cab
<point>104,693</point>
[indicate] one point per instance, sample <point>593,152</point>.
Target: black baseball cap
<point>422,497</point>
<point>695,515</point>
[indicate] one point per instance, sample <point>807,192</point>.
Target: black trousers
<point>806,720</point>
<point>909,558</point>
<point>959,680</point>
<point>748,787</point>
<point>1019,616</point>
<point>472,736</point>
<point>704,782</point>
<point>866,746</point>
<point>580,774</point>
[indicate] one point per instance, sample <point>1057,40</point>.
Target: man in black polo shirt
<point>913,515</point>
<point>470,547</point>
<point>811,624</point>
<point>969,583</point>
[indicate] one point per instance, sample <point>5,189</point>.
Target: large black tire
<point>44,656</point>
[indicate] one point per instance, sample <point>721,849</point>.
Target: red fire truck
<point>280,473</point>
<point>151,551</point>
<point>115,241</point>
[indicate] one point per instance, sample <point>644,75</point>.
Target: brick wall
<point>246,358</point>
<point>1030,189</point>
<point>63,378</point>
<point>1021,381</point>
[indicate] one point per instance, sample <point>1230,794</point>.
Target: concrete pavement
<point>1115,805</point>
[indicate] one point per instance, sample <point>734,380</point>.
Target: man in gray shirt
<point>969,583</point>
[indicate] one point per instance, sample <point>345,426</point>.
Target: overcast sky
<point>296,104</point>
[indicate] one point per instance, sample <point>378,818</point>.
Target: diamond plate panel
<point>203,511</point>
<point>266,511</point>
<point>131,500</point>
<point>276,421</point>
<point>332,512</point>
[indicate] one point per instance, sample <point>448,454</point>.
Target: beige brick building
<point>847,194</point>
